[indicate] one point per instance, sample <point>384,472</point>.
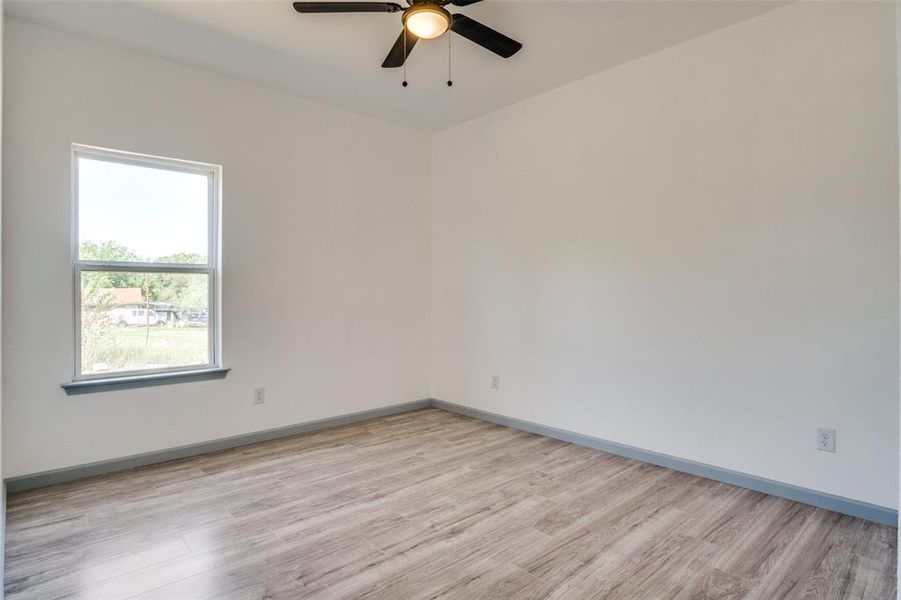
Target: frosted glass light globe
<point>427,22</point>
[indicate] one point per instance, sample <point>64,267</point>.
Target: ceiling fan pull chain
<point>450,82</point>
<point>404,33</point>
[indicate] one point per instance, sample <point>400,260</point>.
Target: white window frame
<point>212,268</point>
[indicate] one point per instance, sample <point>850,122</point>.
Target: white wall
<point>898,93</point>
<point>326,260</point>
<point>695,253</point>
<point>3,484</point>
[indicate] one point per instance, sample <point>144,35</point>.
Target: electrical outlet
<point>259,396</point>
<point>495,382</point>
<point>826,440</point>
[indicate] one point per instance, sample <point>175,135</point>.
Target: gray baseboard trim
<point>856,508</point>
<point>37,480</point>
<point>839,504</point>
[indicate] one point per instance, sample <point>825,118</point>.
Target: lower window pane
<point>143,321</point>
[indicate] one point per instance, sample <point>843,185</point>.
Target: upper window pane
<point>141,214</point>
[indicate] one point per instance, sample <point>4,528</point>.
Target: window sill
<point>90,386</point>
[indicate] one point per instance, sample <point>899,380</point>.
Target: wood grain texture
<point>428,505</point>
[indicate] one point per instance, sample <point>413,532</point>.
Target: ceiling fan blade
<point>346,7</point>
<point>396,56</point>
<point>464,2</point>
<point>485,36</point>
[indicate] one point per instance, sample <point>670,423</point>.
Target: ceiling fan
<point>422,19</point>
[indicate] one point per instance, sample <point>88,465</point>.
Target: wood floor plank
<point>428,505</point>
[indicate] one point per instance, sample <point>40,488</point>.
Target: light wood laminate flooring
<point>428,505</point>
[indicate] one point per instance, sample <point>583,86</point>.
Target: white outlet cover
<point>826,440</point>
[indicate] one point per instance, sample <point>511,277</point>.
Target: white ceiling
<point>336,58</point>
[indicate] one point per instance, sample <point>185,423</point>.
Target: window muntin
<point>145,260</point>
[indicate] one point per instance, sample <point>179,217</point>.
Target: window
<point>146,265</point>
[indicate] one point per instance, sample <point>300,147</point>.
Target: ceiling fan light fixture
<point>427,21</point>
